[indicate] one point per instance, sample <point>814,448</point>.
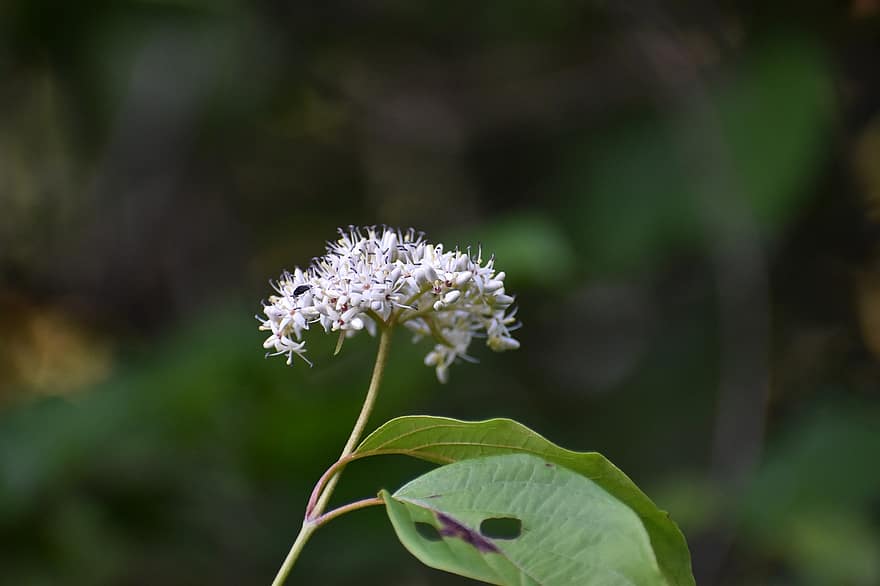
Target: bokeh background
<point>685,196</point>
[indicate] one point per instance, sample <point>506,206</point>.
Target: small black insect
<point>300,290</point>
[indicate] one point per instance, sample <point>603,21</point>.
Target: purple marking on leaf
<point>452,528</point>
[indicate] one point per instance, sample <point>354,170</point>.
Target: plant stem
<point>322,482</point>
<point>361,504</point>
<point>361,423</point>
<point>304,533</point>
<point>310,523</point>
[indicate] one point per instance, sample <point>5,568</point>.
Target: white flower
<point>372,278</point>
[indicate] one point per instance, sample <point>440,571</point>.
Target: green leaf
<point>566,529</point>
<point>442,440</point>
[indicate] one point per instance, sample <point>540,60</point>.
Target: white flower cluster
<point>374,277</point>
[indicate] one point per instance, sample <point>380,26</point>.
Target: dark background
<point>685,196</point>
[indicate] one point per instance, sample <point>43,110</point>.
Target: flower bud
<point>501,343</point>
<point>503,300</point>
<point>463,278</point>
<point>452,296</point>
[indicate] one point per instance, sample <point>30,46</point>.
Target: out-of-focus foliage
<point>684,196</point>
<point>638,194</point>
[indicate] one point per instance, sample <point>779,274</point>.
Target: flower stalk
<point>360,425</point>
<point>313,518</point>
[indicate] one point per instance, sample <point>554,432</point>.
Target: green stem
<point>361,504</point>
<point>309,523</point>
<point>405,317</point>
<point>415,296</point>
<point>304,533</point>
<point>332,471</point>
<point>361,423</point>
<point>438,335</point>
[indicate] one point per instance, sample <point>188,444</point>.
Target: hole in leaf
<point>501,528</point>
<point>428,531</point>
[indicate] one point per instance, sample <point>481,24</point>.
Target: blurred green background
<point>685,196</point>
